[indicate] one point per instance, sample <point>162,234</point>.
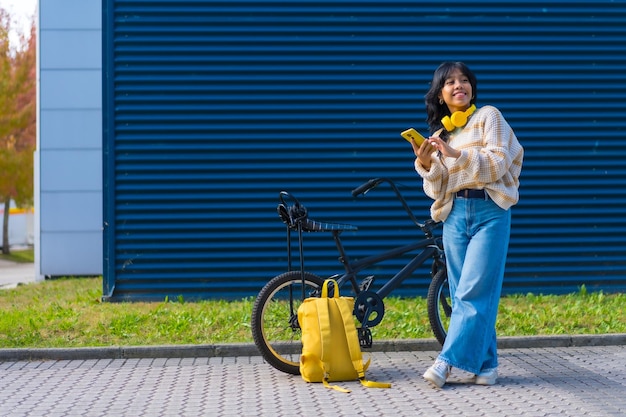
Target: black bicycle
<point>275,327</point>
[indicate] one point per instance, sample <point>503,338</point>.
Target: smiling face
<point>457,91</point>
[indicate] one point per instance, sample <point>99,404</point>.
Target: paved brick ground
<point>557,381</point>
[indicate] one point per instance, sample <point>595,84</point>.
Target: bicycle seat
<point>311,225</point>
<point>297,214</point>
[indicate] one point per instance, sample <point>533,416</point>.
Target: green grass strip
<point>68,313</point>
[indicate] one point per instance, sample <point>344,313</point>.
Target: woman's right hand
<point>424,152</point>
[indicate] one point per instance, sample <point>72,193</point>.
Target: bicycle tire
<point>275,329</point>
<point>439,305</point>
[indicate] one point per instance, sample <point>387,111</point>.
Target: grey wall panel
<point>70,138</point>
<point>66,49</point>
<point>64,256</point>
<point>70,14</point>
<point>211,108</point>
<point>71,170</point>
<point>71,129</point>
<point>72,212</point>
<point>71,89</point>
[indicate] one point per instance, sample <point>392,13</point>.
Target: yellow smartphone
<point>412,134</point>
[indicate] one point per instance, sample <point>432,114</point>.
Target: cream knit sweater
<point>491,159</point>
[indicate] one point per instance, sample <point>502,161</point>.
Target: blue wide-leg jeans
<point>476,240</point>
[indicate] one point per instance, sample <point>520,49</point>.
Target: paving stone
<point>552,381</point>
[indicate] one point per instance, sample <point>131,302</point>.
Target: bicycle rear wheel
<point>275,326</point>
<point>439,305</point>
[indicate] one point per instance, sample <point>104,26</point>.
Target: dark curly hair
<point>435,111</point>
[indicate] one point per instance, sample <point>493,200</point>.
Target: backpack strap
<point>323,316</point>
<point>355,348</point>
<point>351,337</point>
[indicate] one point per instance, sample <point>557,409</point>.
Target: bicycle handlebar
<point>374,182</point>
<point>364,188</point>
<point>295,213</point>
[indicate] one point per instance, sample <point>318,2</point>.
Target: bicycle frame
<point>367,302</point>
<point>430,248</point>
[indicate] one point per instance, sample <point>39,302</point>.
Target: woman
<point>470,167</point>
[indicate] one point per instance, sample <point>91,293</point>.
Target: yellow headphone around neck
<point>458,118</point>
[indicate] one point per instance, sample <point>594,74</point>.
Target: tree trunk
<point>5,227</point>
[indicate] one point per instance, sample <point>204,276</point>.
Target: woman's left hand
<point>443,147</point>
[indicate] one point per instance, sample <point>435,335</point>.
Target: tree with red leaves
<point>18,123</point>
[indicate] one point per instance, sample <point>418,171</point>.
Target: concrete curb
<point>248,349</point>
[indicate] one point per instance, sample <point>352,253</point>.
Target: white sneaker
<point>487,377</point>
<point>438,373</point>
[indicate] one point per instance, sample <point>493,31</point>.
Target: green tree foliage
<point>17,120</point>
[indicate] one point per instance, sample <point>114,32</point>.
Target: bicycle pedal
<point>366,283</point>
<point>365,337</point>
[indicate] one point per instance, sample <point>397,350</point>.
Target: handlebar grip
<point>284,196</point>
<point>363,188</point>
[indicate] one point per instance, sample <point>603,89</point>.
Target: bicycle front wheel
<point>275,326</point>
<point>439,305</point>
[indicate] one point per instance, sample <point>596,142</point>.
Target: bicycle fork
<point>289,269</point>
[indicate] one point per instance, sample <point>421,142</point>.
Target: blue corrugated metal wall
<point>211,108</point>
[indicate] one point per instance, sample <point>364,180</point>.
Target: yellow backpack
<point>330,344</point>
